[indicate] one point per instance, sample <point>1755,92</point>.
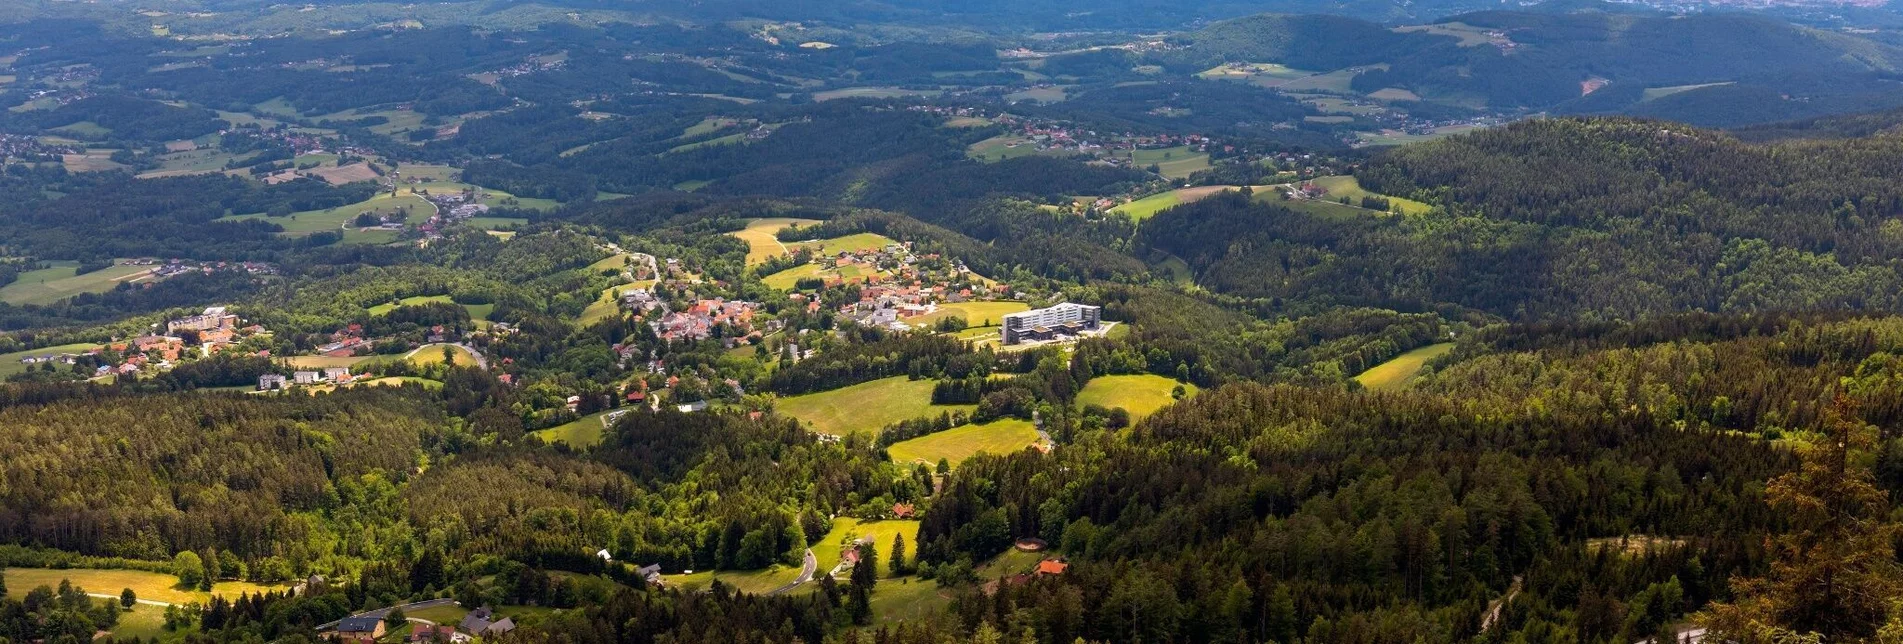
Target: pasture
<point>1176,163</point>
<point>57,282</point>
<point>151,586</point>
<point>429,354</point>
<point>976,314</point>
<point>94,160</point>
<point>1655,93</point>
<point>1144,208</point>
<point>1001,436</point>
<point>854,243</point>
<point>10,362</point>
<point>760,237</point>
<point>1347,186</point>
<point>1398,372</point>
<point>848,532</point>
<point>865,407</point>
<point>1141,395</point>
<point>386,307</point>
<point>299,224</point>
<point>873,92</point>
<point>583,432</point>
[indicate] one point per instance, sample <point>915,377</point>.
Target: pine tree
<point>1833,575</point>
<point>898,555</point>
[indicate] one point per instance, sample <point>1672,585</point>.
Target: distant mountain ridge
<point>1717,69</point>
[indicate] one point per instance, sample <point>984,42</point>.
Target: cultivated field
<point>152,586</point>
<point>866,407</point>
<point>1141,395</point>
<point>965,441</point>
<point>323,362</point>
<point>1395,374</point>
<point>57,282</point>
<point>761,242</point>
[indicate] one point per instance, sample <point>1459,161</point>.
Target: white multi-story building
<point>1047,323</point>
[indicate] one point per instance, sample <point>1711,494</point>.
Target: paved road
<point>381,612</point>
<point>806,574</point>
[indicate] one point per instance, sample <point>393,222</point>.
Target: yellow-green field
<point>298,224</point>
<point>976,314</point>
<point>1395,374</point>
<point>1346,186</point>
<point>1001,436</point>
<point>581,432</point>
<point>323,362</point>
<point>847,532</point>
<point>433,354</point>
<point>761,242</point>
<point>445,614</point>
<point>866,407</point>
<point>10,362</point>
<point>1142,209</point>
<point>57,282</point>
<point>857,242</point>
<point>150,586</point>
<point>144,622</point>
<point>387,307</point>
<point>788,279</point>
<point>1141,395</point>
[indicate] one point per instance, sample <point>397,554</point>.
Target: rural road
<point>806,574</point>
<point>431,603</point>
<point>146,602</point>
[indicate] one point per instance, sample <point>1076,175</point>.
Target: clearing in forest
<point>1001,436</point>
<point>1141,394</point>
<point>762,244</point>
<point>1395,374</point>
<point>866,407</point>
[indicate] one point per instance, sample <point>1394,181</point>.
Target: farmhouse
<point>359,629</point>
<point>1064,319</point>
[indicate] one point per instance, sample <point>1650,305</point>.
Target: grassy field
<point>1052,94</point>
<point>323,362</point>
<point>788,279</point>
<point>1317,207</point>
<point>433,353</point>
<point>1141,395</point>
<point>151,586</point>
<point>977,314</point>
<point>1655,93</point>
<point>847,531</point>
<point>1346,186</point>
<point>582,432</point>
<point>387,307</point>
<point>445,614</point>
<point>10,362</point>
<point>1176,163</point>
<point>758,582</point>
<point>94,160</point>
<point>873,92</point>
<point>1395,374</point>
<point>1339,81</point>
<point>57,282</point>
<point>866,407</point>
<point>1144,208</point>
<point>999,148</point>
<point>298,224</point>
<point>854,243</point>
<point>965,441</point>
<point>144,621</point>
<point>761,242</point>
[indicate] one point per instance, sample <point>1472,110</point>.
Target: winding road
<point>806,574</point>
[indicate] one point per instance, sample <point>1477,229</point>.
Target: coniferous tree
<point>1835,573</point>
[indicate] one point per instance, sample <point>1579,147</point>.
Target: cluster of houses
<point>371,627</point>
<point>215,330</point>
<point>903,289</point>
<point>700,320</point>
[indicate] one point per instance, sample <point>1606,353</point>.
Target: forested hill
<point>1712,69</point>
<point>1569,217</point>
